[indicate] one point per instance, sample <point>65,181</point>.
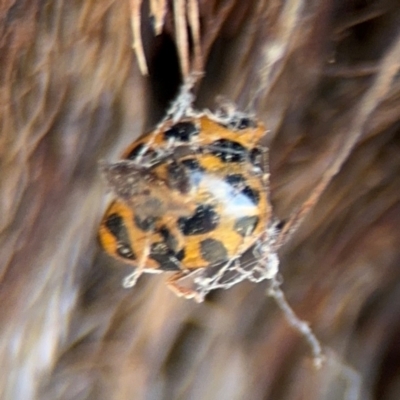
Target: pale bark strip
<point>158,9</point>
<point>181,35</point>
<point>137,44</point>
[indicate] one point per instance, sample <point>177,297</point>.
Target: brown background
<point>71,95</point>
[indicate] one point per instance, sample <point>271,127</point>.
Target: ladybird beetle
<point>191,196</point>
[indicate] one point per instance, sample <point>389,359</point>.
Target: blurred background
<point>72,94</point>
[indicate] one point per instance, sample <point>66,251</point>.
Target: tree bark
<point>72,95</point>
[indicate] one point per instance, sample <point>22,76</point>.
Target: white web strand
<point>337,379</point>
<point>299,325</point>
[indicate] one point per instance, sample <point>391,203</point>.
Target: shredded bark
<point>324,78</point>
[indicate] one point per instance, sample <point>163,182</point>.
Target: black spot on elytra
<point>182,131</point>
<point>192,164</point>
<point>135,151</point>
<point>238,181</point>
<point>165,257</point>
<point>235,180</point>
<point>194,169</point>
<point>229,151</point>
<point>245,226</point>
<point>205,219</point>
<point>148,155</point>
<point>213,251</point>
<point>115,225</point>
<point>169,238</point>
<point>178,177</point>
<point>251,194</point>
<point>145,224</point>
<point>180,255</point>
